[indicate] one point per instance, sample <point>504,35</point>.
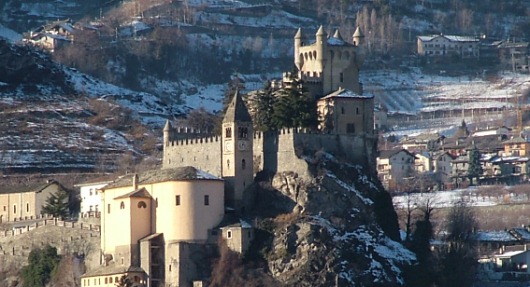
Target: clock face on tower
<point>228,145</point>
<point>242,145</point>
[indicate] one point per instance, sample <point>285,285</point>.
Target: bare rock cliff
<point>334,228</point>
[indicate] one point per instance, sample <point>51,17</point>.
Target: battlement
<point>193,141</point>
<point>284,131</point>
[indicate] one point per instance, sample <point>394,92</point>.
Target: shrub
<point>42,264</point>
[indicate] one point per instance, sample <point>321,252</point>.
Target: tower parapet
<point>328,63</point>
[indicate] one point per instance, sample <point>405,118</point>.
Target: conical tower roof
<point>168,126</point>
<point>237,110</point>
<point>298,34</point>
<point>320,31</point>
<point>337,35</point>
<point>358,33</point>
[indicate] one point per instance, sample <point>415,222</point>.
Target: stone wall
<point>274,151</point>
<point>67,237</point>
<point>202,153</point>
<point>284,150</point>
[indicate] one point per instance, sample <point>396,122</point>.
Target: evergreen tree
<point>42,264</point>
<point>264,104</point>
<point>294,107</point>
<point>57,204</point>
<point>474,166</point>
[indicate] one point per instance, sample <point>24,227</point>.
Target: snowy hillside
<point>9,34</point>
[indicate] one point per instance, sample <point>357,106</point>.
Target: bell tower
<point>237,153</point>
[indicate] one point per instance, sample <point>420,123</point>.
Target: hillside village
<point>295,203</point>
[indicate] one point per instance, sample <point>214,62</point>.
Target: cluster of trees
<point>288,107</point>
<point>451,263</point>
<point>271,109</point>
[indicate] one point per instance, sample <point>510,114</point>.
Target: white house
<point>445,45</point>
<point>90,197</point>
<point>395,167</point>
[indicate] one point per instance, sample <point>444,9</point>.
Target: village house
<point>52,36</point>
<point>443,166</point>
<point>395,168</point>
<point>22,202</point>
<point>447,45</point>
<point>514,55</point>
<point>517,146</point>
<point>90,197</point>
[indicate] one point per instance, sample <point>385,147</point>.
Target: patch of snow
<point>349,188</point>
<point>9,34</point>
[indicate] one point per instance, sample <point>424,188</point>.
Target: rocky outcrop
<point>330,233</point>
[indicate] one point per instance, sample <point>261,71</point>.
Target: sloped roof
<point>111,269</point>
<point>389,153</point>
<point>347,94</point>
<point>452,38</point>
<point>32,187</point>
<point>237,110</point>
<point>184,173</point>
<point>140,193</point>
<point>494,236</point>
<point>105,179</point>
<point>516,140</point>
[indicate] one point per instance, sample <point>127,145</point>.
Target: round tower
<point>358,37</point>
<point>321,45</point>
<point>297,45</point>
<point>167,133</point>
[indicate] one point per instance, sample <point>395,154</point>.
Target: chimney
<point>135,181</point>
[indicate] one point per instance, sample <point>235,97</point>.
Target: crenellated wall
<point>273,151</point>
<point>203,153</point>
<point>283,150</point>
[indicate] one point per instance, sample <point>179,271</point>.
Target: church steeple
<point>237,152</point>
<point>237,110</point>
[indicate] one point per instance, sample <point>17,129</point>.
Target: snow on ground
<point>414,92</point>
<point>470,196</point>
<point>274,19</point>
<point>9,34</point>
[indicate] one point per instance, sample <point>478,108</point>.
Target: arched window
<point>27,206</point>
<point>15,209</point>
<point>229,234</point>
<point>122,205</point>
<point>228,163</point>
<point>228,133</point>
<point>142,204</point>
<point>243,164</point>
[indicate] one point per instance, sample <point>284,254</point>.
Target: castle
<point>154,224</point>
<point>329,69</point>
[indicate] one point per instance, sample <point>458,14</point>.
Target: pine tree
<point>57,204</point>
<point>264,105</point>
<point>294,107</point>
<point>474,166</point>
<point>42,264</point>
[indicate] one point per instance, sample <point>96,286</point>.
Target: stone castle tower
<point>237,151</point>
<point>329,63</point>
